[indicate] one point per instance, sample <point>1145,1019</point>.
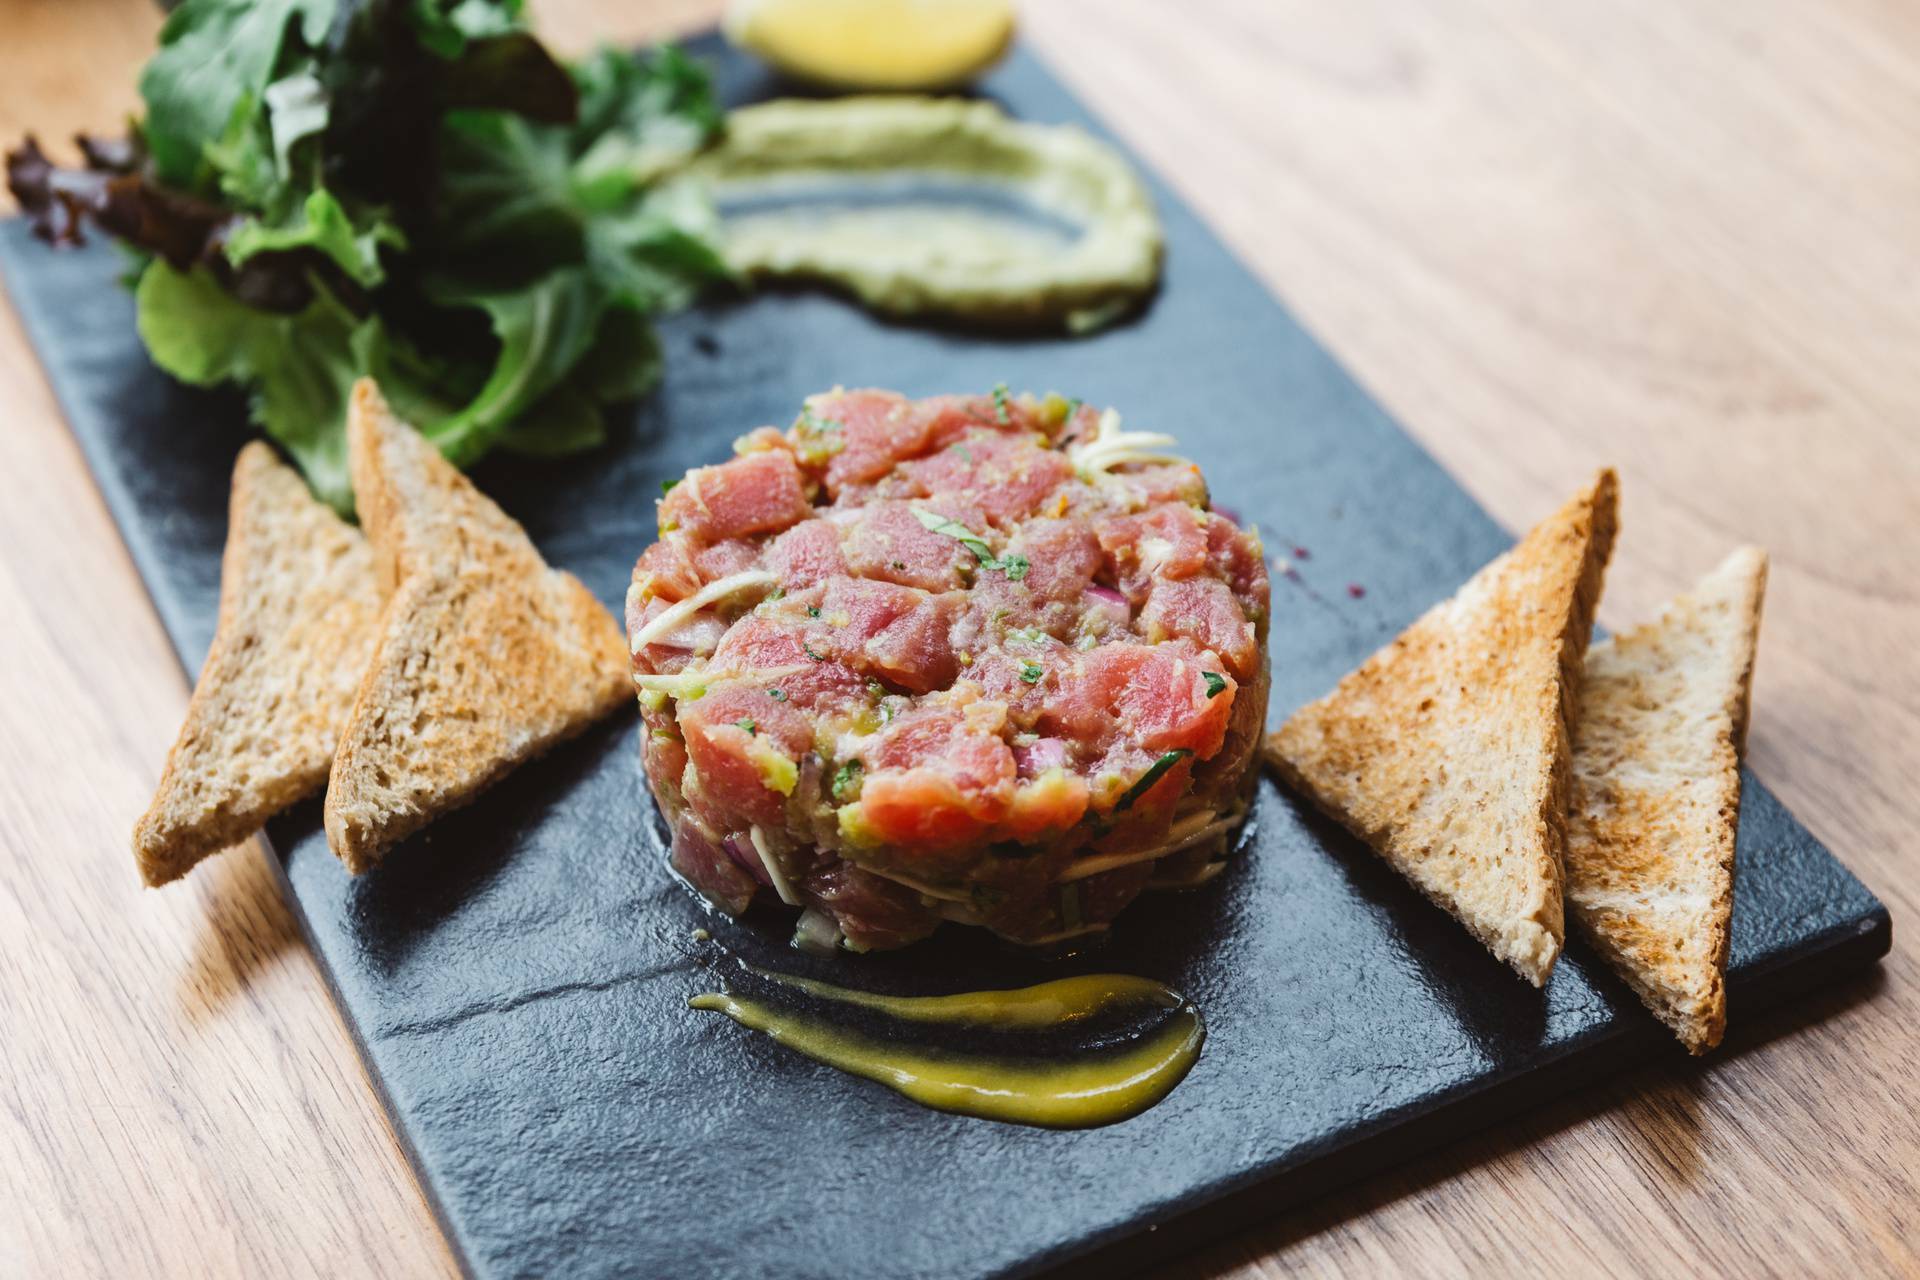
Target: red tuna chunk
<point>759,493</point>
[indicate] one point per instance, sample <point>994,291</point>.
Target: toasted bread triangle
<point>1655,802</point>
<point>1447,750</point>
<point>486,656</point>
<point>298,604</point>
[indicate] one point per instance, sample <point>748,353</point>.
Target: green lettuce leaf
<point>215,56</point>
<point>520,197</point>
<point>445,29</point>
<point>639,119</point>
<point>411,190</point>
<point>623,363</point>
<point>323,225</point>
<point>298,368</point>
<point>544,330</point>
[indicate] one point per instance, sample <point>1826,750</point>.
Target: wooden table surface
<point>1547,234</point>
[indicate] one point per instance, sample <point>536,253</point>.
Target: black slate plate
<point>517,975</point>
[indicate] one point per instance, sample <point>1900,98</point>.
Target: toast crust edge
<point>1595,518</point>
<point>1702,1028</point>
<point>165,850</point>
<point>406,575</point>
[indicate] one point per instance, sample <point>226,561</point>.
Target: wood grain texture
<point>1548,235</point>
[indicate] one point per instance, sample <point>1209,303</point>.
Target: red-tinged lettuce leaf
<point>412,190</point>
<point>59,201</point>
<point>269,268</point>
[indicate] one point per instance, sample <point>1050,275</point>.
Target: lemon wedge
<point>901,45</point>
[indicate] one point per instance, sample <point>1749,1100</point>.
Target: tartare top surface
<point>987,618</point>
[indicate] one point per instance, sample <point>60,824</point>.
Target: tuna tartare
<point>987,659</point>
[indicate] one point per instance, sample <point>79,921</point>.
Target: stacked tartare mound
<point>987,659</point>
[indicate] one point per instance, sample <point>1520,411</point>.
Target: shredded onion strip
<point>921,886</point>
<point>682,684</point>
<point>781,885</point>
<point>671,618</point>
<point>1111,447</point>
<point>1176,843</point>
<point>1079,932</point>
<point>1194,881</point>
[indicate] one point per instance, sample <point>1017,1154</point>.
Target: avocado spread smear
<point>935,207</point>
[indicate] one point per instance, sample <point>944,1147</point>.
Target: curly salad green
<point>416,190</point>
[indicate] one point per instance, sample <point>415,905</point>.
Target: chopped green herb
<point>813,611</point>
<point>818,438</point>
<point>1015,567</point>
<point>778,695</point>
<point>1216,684</point>
<point>666,487</point>
<point>1031,672</point>
<point>817,657</point>
<point>1073,407</point>
<point>846,781</point>
<point>1000,402</point>
<point>875,689</point>
<point>964,452</point>
<point>934,522</point>
<point>897,564</point>
<point>776,593</point>
<point>1155,771</point>
<point>746,724</point>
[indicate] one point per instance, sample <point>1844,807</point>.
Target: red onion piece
<point>740,849</point>
<point>695,635</point>
<point>1109,602</point>
<point>1033,760</point>
<point>817,933</point>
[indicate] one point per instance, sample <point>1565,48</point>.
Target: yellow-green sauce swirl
<point>1073,1090</point>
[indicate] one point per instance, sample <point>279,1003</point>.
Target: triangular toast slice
<point>486,656</point>
<point>1656,796</point>
<point>1447,750</point>
<point>298,604</point>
